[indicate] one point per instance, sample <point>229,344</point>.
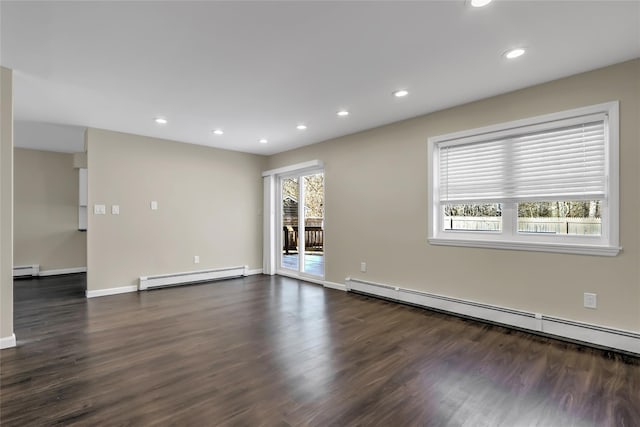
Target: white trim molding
<point>336,286</point>
<point>269,232</point>
<point>530,246</point>
<point>110,291</point>
<point>34,271</point>
<point>243,270</point>
<point>297,168</point>
<point>294,275</point>
<point>310,279</point>
<point>188,277</point>
<point>26,270</point>
<point>8,342</point>
<point>272,220</point>
<point>63,271</point>
<point>587,333</point>
<point>607,243</point>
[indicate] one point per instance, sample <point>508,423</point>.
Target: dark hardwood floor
<point>273,351</point>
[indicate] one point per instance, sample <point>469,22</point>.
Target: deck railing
<point>313,236</point>
<point>313,239</point>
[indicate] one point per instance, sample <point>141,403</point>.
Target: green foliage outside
<point>313,194</point>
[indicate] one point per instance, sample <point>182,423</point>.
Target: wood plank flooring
<point>274,351</point>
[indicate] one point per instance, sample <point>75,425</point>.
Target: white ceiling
<point>48,136</point>
<point>257,69</point>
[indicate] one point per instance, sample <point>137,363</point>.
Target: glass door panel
<point>290,212</point>
<point>312,259</point>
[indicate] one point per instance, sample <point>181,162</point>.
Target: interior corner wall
<point>376,209</point>
<point>6,209</point>
<point>46,211</point>
<point>209,205</point>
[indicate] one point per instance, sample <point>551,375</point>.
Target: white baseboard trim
<point>190,277</point>
<point>587,333</point>
<point>326,284</point>
<point>294,275</point>
<point>8,342</point>
<point>593,334</point>
<point>126,289</point>
<point>110,291</point>
<point>63,271</point>
<point>26,270</point>
<point>34,271</point>
<point>336,286</point>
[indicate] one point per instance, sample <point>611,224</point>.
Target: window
<point>548,183</point>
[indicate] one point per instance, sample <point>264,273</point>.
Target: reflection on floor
<point>313,263</point>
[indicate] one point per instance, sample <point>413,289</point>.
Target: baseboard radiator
<point>26,270</point>
<point>190,277</point>
<point>599,336</point>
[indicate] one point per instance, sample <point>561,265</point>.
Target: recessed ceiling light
<point>160,120</point>
<point>263,141</point>
<point>479,3</point>
<point>400,93</point>
<point>301,127</point>
<point>343,113</point>
<point>514,53</point>
<point>218,131</point>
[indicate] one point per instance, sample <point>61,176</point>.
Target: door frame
<point>272,217</point>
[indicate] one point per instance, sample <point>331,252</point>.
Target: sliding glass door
<point>302,223</point>
<point>290,223</point>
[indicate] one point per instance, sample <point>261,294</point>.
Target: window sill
<point>529,246</point>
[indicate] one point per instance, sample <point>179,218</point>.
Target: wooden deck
<point>273,351</point>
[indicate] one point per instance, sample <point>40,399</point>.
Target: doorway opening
<point>301,230</point>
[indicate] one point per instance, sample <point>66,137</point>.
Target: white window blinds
<point>563,160</point>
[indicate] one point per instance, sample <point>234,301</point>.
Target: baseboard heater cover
<point>189,277</point>
<point>601,336</point>
<point>26,270</point>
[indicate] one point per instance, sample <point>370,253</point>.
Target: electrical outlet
<point>196,259</point>
<point>115,209</point>
<point>363,267</point>
<point>99,209</point>
<point>590,300</point>
<point>154,205</point>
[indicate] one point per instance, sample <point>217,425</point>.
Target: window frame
<point>607,244</point>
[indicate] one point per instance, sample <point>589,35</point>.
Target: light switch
<point>99,209</point>
<point>154,205</point>
<point>590,300</point>
<point>115,209</point>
